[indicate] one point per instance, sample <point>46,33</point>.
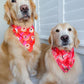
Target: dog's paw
<point>13,68</point>
<point>33,73</point>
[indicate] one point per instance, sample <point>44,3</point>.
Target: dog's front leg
<point>32,71</point>
<point>19,71</point>
<point>32,65</point>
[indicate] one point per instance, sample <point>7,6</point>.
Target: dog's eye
<point>57,30</point>
<point>13,1</point>
<point>69,29</point>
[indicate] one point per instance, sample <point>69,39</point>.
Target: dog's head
<point>64,36</point>
<point>20,10</point>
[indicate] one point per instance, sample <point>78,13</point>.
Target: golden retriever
<point>63,37</point>
<point>16,62</point>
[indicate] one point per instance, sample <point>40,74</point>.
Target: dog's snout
<point>65,38</point>
<point>24,8</point>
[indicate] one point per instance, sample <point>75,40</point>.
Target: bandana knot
<point>64,59</point>
<point>25,36</point>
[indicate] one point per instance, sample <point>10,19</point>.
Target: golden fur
<point>53,74</point>
<point>16,63</point>
<point>41,64</point>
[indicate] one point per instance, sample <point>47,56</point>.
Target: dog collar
<point>25,36</point>
<point>64,59</point>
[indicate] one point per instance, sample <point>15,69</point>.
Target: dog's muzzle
<point>65,40</point>
<point>24,10</point>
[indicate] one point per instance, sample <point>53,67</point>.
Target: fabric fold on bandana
<point>25,36</point>
<point>64,59</point>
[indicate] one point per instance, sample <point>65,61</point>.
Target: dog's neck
<point>63,49</point>
<point>68,48</point>
<point>24,24</point>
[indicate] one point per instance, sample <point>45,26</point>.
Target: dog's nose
<point>65,38</point>
<point>24,8</point>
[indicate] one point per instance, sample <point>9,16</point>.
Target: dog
<point>63,66</point>
<point>20,50</point>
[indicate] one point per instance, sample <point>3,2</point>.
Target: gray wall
<point>74,14</point>
<point>48,16</point>
<point>3,24</point>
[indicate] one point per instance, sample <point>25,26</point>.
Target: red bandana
<point>25,36</point>
<point>64,59</point>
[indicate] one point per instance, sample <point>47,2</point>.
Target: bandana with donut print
<point>25,36</point>
<point>64,59</point>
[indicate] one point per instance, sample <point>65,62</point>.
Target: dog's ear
<point>76,40</point>
<point>35,16</point>
<point>7,15</point>
<point>50,40</point>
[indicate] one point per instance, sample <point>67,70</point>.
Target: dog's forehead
<point>20,1</point>
<point>62,26</point>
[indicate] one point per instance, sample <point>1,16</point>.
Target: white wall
<point>3,25</point>
<point>48,16</point>
<point>74,14</point>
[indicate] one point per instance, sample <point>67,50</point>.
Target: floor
<point>35,81</point>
